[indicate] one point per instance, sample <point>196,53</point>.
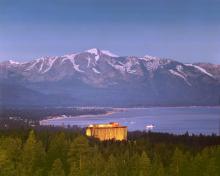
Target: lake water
<point>178,120</point>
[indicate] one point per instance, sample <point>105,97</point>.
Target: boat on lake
<point>150,127</point>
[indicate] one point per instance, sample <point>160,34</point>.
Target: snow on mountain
<point>89,61</point>
<point>69,56</point>
<point>41,65</point>
<point>120,67</point>
<point>131,64</point>
<point>180,69</point>
<point>32,64</point>
<point>213,69</point>
<point>180,75</point>
<point>177,74</point>
<point>106,52</point>
<point>200,69</point>
<point>95,52</point>
<point>109,67</point>
<point>153,63</point>
<point>98,52</point>
<point>49,65</point>
<point>148,57</point>
<point>96,71</point>
<point>126,80</point>
<point>13,62</point>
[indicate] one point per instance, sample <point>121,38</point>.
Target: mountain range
<point>99,78</point>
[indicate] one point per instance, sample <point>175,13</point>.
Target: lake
<point>178,120</point>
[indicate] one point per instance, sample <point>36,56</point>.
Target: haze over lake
<point>178,120</point>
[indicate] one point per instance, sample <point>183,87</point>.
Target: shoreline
<point>61,117</point>
<point>103,107</point>
<point>110,112</point>
<point>172,107</point>
<point>115,110</point>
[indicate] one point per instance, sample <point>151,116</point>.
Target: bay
<point>176,120</point>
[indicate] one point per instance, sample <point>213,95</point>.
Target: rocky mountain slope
<point>97,77</point>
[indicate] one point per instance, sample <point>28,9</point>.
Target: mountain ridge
<point>99,77</point>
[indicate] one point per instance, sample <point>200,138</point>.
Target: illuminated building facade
<point>110,131</point>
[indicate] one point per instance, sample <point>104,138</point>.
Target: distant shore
<point>61,117</point>
<point>110,112</point>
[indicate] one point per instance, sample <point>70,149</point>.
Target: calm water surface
<point>205,120</point>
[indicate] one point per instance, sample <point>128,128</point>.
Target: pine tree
<point>160,170</point>
<point>144,165</point>
<point>157,167</point>
<point>133,165</point>
<point>123,162</point>
<point>74,169</point>
<point>201,164</point>
<point>13,147</point>
<point>33,156</point>
<point>58,149</point>
<point>57,169</point>
<point>98,164</point>
<point>179,164</point>
<point>6,166</point>
<point>217,158</point>
<point>111,167</point>
<point>79,155</point>
<point>211,168</point>
<point>196,165</point>
<point>209,162</point>
<point>3,159</point>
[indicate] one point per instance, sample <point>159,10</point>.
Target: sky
<point>184,30</point>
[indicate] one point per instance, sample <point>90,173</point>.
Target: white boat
<point>150,127</point>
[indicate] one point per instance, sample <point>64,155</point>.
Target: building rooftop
<point>107,125</point>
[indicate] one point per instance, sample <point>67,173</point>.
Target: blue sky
<point>185,30</point>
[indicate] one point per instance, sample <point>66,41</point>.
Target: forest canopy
<point>62,152</point>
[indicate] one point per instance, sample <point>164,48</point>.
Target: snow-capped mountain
<point>99,77</point>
